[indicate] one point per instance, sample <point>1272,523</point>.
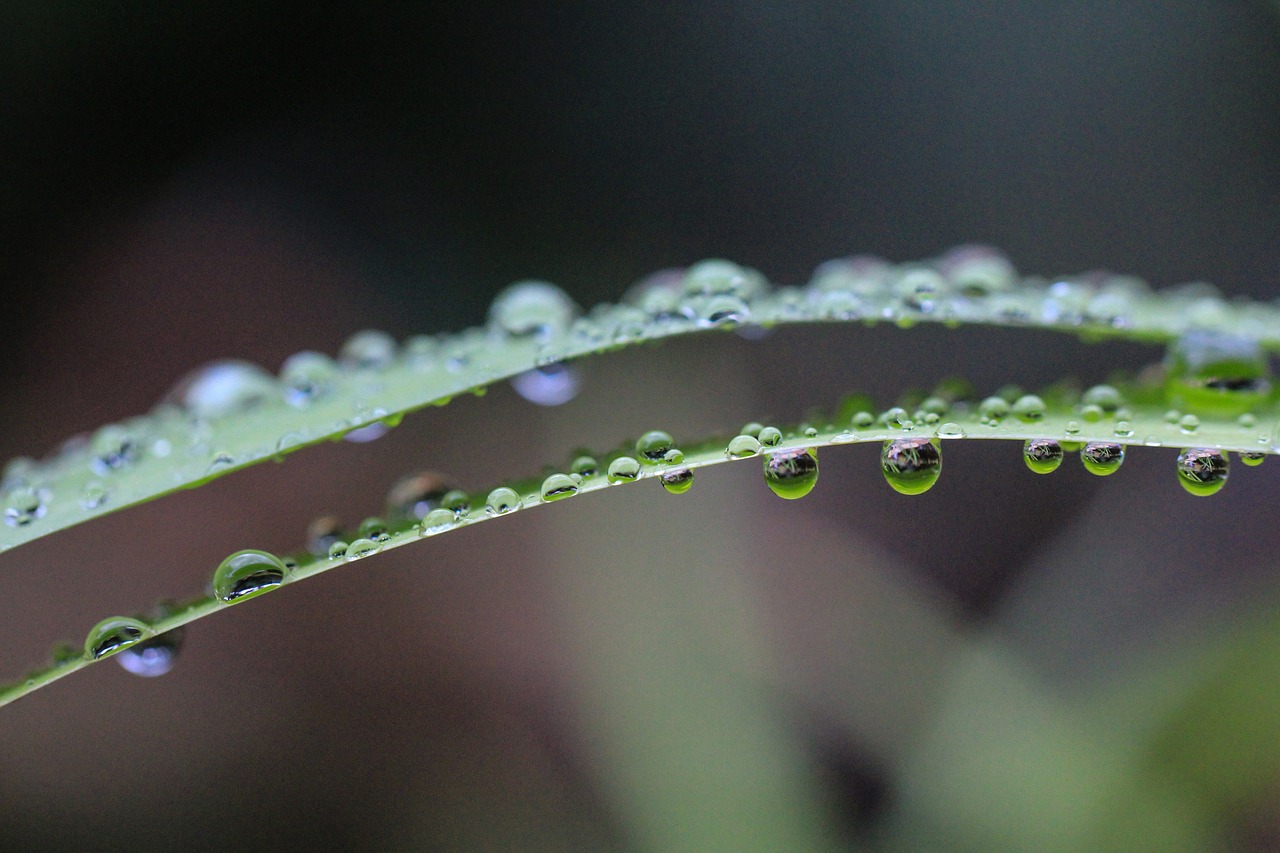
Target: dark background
<point>247,180</point>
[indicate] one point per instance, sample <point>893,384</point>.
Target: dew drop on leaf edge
<point>791,474</point>
<point>911,465</point>
<point>246,574</point>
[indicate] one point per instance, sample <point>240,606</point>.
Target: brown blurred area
<point>718,671</point>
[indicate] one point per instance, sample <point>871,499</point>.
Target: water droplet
<point>950,430</point>
<point>438,521</point>
<point>653,445</point>
<point>718,277</point>
<point>1252,459</point>
<point>1102,457</point>
<point>502,501</point>
<point>1202,471</point>
<point>113,448</point>
<point>94,496</point>
<point>1105,397</point>
<point>338,550</point>
<point>549,385</point>
<point>1042,455</point>
<point>770,436</point>
<point>557,487</point>
<point>115,634</point>
<point>361,548</point>
<point>810,432</point>
<point>536,309</point>
<point>1247,421</point>
<point>862,420</point>
<point>584,466</point>
<point>911,465</point>
<point>791,474</point>
<point>373,528</point>
<point>1029,408</point>
<point>247,573</point>
<point>623,469</point>
<point>674,456</point>
<point>456,501</point>
<point>153,657</point>
<point>1123,429</point>
<point>22,506</point>
<point>752,429</point>
<point>321,534</point>
<point>369,349</point>
<point>1072,427</point>
<point>993,410</point>
<point>1217,374</point>
<point>415,496</point>
<point>742,446</point>
<point>678,481</point>
<point>921,289</point>
<point>977,270</point>
<point>306,376</point>
<point>1189,424</point>
<point>223,388</point>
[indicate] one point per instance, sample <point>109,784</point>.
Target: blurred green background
<point>1004,663</point>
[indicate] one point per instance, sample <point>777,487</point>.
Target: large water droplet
<point>222,388</point>
<point>501,501</point>
<point>247,573</point>
<point>558,487</point>
<point>438,521</point>
<point>791,474</point>
<point>742,446</point>
<point>549,385</point>
<point>911,465</point>
<point>677,481</point>
<point>654,445</point>
<point>623,470</point>
<point>369,349</point>
<point>115,634</point>
<point>1217,374</point>
<point>1042,455</point>
<point>1202,471</point>
<point>535,309</point>
<point>153,657</point>
<point>1102,457</point>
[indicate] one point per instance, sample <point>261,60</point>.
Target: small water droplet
<point>950,430</point>
<point>653,445</point>
<point>550,385</point>
<point>536,309</point>
<point>373,528</point>
<point>770,436</point>
<point>363,547</point>
<point>1029,408</point>
<point>456,501</point>
<point>369,349</point>
<point>752,429</point>
<point>1202,471</point>
<point>306,376</point>
<point>501,501</point>
<point>623,470</point>
<point>1106,397</point>
<point>438,521</point>
<point>584,466</point>
<point>338,550</point>
<point>115,634</point>
<point>716,277</point>
<point>993,410</point>
<point>247,573</point>
<point>1042,455</point>
<point>93,496</point>
<point>742,446</point>
<point>911,465</point>
<point>791,474</point>
<point>113,448</point>
<point>677,481</point>
<point>674,456</point>
<point>153,657</point>
<point>1247,421</point>
<point>416,495</point>
<point>22,506</point>
<point>558,487</point>
<point>1252,459</point>
<point>1072,427</point>
<point>1123,429</point>
<point>1102,457</point>
<point>1189,424</point>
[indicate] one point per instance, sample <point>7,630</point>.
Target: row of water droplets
<point>233,413</point>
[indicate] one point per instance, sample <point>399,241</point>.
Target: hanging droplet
<point>502,501</point>
<point>1029,408</point>
<point>770,436</point>
<point>223,388</point>
<point>1102,457</point>
<point>22,506</point>
<point>654,445</point>
<point>911,465</point>
<point>558,487</point>
<point>623,470</point>
<point>368,349</point>
<point>536,309</point>
<point>322,533</point>
<point>113,635</point>
<point>677,481</point>
<point>792,474</point>
<point>1252,459</point>
<point>153,657</point>
<point>1202,471</point>
<point>549,385</point>
<point>306,376</point>
<point>1217,374</point>
<point>363,547</point>
<point>742,446</point>
<point>1042,455</point>
<point>416,495</point>
<point>438,521</point>
<point>247,573</point>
